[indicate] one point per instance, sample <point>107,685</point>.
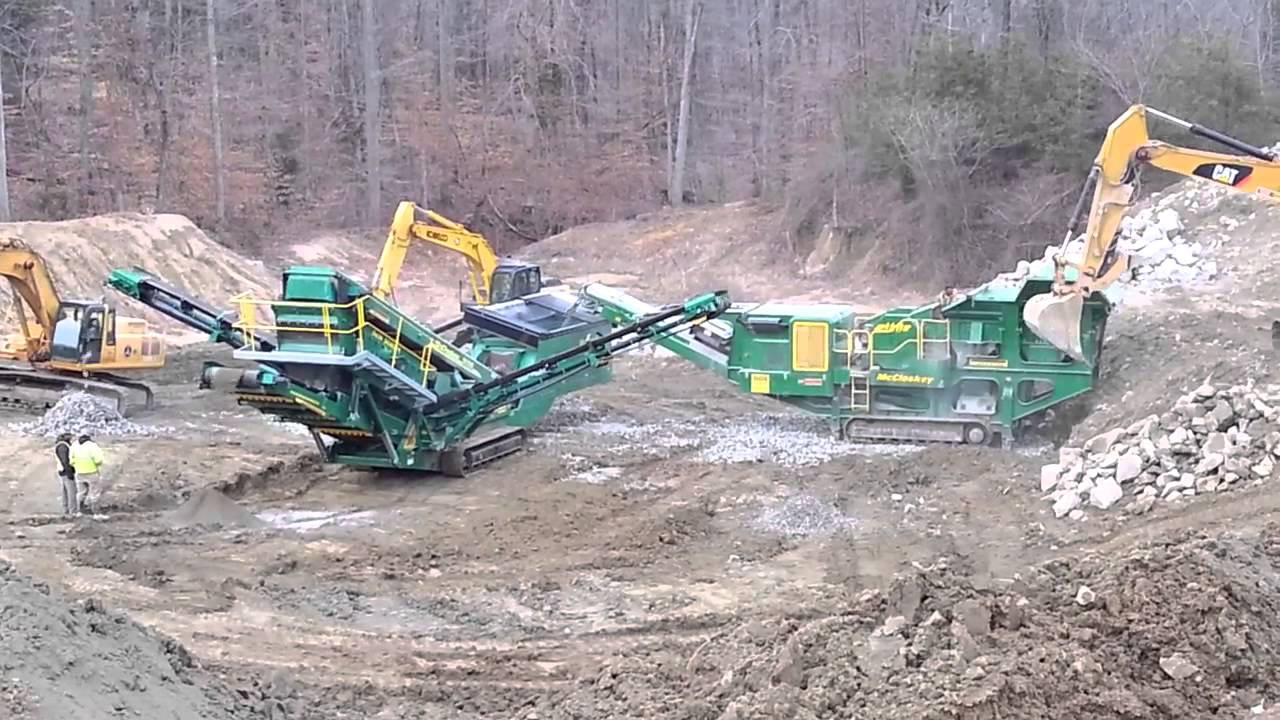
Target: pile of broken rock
<point>1213,439</point>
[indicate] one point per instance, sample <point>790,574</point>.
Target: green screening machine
<point>963,370</point>
<point>378,389</point>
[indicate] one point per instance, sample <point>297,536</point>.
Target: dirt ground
<point>668,548</point>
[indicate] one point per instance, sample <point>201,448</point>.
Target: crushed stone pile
<point>1213,439</point>
<point>1186,627</point>
<point>65,660</point>
<point>787,440</point>
<point>82,412</point>
<point>209,508</point>
<point>783,439</point>
<point>803,516</point>
<point>1163,254</point>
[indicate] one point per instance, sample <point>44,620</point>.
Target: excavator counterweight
<point>1113,179</point>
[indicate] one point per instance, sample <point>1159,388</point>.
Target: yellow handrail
<point>424,362</point>
<point>919,339</point>
<point>249,324</point>
<point>395,348</point>
<point>328,336</point>
<point>921,324</point>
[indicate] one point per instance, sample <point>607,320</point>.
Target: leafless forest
<point>947,134</point>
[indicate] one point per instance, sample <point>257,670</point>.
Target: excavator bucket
<point>1056,319</point>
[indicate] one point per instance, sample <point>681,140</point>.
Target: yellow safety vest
<point>86,458</point>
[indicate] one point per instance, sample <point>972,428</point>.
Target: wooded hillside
<point>946,136</point>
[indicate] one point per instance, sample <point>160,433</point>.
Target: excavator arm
<point>1127,148</point>
<point>32,286</point>
<point>441,232</point>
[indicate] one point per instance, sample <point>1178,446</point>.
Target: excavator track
<point>35,391</point>
<point>481,450</point>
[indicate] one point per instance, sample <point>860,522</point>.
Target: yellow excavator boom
<point>1126,149</point>
<point>33,288</point>
<point>441,232</point>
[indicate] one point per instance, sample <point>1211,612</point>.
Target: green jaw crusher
<point>963,370</point>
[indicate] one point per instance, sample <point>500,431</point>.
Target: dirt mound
<point>83,251</point>
<point>209,508</point>
<point>71,661</point>
<point>669,255</point>
<point>1187,627</point>
<point>428,287</point>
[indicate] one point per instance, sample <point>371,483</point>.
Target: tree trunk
<point>372,108</point>
<point>215,108</point>
<point>5,215</point>
<point>304,90</point>
<point>1004,18</point>
<point>444,54</point>
<point>164,89</point>
<point>676,191</point>
<point>80,18</point>
<point>668,157</point>
<point>764,26</point>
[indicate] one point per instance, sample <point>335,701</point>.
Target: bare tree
<point>372,115</point>
<point>215,110</point>
<point>80,18</point>
<point>5,215</point>
<point>692,16</point>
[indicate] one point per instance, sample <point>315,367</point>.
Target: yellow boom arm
<point>32,285</point>
<point>441,232</point>
<point>1114,176</point>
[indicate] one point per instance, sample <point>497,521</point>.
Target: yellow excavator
<point>493,280</point>
<point>67,344</point>
<point>1127,148</point>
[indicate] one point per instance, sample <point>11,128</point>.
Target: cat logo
<point>1225,175</point>
<point>893,328</point>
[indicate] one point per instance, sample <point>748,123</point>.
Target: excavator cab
<point>512,280</point>
<point>79,332</point>
<point>89,333</point>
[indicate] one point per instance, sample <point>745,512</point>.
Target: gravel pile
<point>1213,439</point>
<point>803,516</point>
<point>291,428</point>
<point>209,508</point>
<point>632,436</point>
<point>81,412</point>
<point>786,440</point>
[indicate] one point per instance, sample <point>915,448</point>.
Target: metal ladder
<point>859,377</point>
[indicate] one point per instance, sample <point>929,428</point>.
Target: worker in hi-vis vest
<point>87,461</point>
